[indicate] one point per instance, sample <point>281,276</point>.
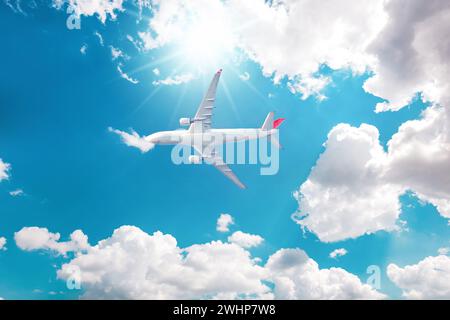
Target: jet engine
<point>185,122</point>
<point>195,159</point>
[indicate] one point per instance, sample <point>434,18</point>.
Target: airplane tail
<point>270,124</point>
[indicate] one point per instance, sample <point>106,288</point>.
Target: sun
<point>207,42</point>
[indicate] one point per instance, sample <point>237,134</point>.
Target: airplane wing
<point>219,164</point>
<point>217,161</point>
<point>202,119</point>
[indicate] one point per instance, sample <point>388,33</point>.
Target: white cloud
<point>125,75</point>
<point>309,86</point>
<point>133,140</point>
<point>156,72</point>
<point>4,170</point>
<point>412,56</point>
<point>35,238</point>
<point>355,185</point>
<point>428,279</point>
<point>224,222</point>
<point>347,193</point>
<point>147,42</point>
<point>245,76</point>
<point>274,34</point>
<point>175,80</point>
<point>2,243</point>
<point>402,41</point>
<point>419,157</point>
<point>296,276</point>
<point>444,251</point>
<point>101,8</point>
<point>16,193</point>
<point>83,49</point>
<point>117,53</point>
<point>412,53</point>
<point>100,38</point>
<point>245,240</point>
<point>338,253</point>
<point>132,264</point>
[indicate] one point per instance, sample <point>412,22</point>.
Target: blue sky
<point>57,104</point>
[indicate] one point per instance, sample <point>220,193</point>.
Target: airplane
<point>200,135</point>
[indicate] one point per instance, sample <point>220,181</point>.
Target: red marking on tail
<point>277,122</point>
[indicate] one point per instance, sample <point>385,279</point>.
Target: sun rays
<point>200,43</point>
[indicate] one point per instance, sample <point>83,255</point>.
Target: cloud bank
<point>132,264</point>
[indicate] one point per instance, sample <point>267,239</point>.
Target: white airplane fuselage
<point>216,136</point>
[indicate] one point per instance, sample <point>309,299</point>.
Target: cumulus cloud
<point>132,264</point>
<point>224,222</point>
<point>245,240</point>
<point>444,251</point>
<point>411,54</point>
<point>35,238</point>
<point>428,279</point>
<point>296,276</point>
<point>347,193</point>
<point>2,243</point>
<point>175,80</point>
<point>355,185</point>
<point>419,157</point>
<point>133,140</point>
<point>4,170</point>
<point>338,253</point>
<point>403,42</point>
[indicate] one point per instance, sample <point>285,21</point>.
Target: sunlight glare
<point>208,43</point>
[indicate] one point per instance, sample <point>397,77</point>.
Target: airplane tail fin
<point>270,124</point>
